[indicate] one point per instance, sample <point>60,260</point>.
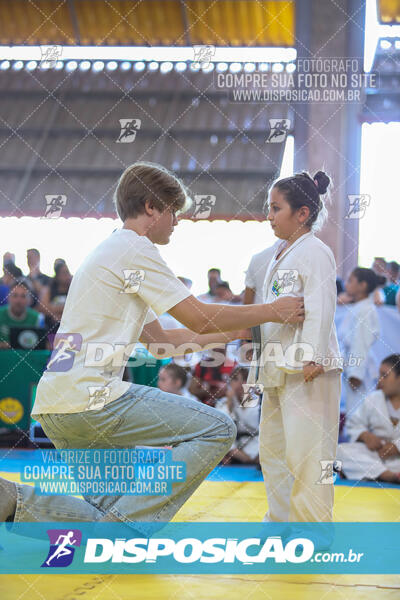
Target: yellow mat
<point>227,501</point>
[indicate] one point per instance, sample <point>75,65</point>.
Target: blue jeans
<point>200,436</point>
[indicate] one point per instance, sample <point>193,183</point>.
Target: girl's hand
<point>311,370</point>
<point>388,449</point>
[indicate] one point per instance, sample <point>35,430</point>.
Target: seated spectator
<point>10,274</point>
<point>391,287</point>
<point>224,295</point>
<point>35,276</point>
<point>8,257</point>
<point>214,277</point>
<point>247,420</point>
<point>172,378</point>
<point>54,295</point>
<point>4,290</point>
<point>211,375</point>
<point>339,286</point>
<point>373,451</point>
<point>18,313</point>
<point>380,267</point>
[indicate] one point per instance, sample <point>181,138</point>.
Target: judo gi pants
<point>199,435</point>
<point>298,443</point>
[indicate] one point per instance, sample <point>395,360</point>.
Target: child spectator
<point>247,420</point>
<point>373,451</point>
<point>358,331</point>
<point>211,375</point>
<point>172,378</point>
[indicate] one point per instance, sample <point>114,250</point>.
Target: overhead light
<point>112,65</point>
<point>180,66</point>
<point>18,65</point>
<point>385,44</point>
<point>154,53</point>
<point>31,65</point>
<point>207,68</point>
<point>153,66</point>
<point>166,67</point>
<point>59,65</point>
<point>85,65</point>
<point>264,66</point>
<point>290,67</point>
<point>139,66</point>
<point>125,65</point>
<point>249,67</point>
<point>235,67</point>
<point>71,65</point>
<point>4,65</point>
<point>277,67</point>
<point>98,65</point>
<point>222,67</point>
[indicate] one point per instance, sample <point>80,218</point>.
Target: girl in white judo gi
<point>358,332</point>
<point>374,429</point>
<point>300,405</point>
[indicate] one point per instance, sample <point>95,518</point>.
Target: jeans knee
<point>231,429</point>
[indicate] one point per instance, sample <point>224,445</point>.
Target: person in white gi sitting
<point>373,451</point>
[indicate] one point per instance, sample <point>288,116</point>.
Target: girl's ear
<point>303,214</point>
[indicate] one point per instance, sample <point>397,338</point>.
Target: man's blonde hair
<point>148,181</point>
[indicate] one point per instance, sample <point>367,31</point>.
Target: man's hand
<point>288,310</point>
<point>388,449</point>
<point>311,370</point>
<point>372,441</point>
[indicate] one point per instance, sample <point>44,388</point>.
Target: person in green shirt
<point>17,313</point>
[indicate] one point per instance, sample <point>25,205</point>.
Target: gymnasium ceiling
<point>148,22</point>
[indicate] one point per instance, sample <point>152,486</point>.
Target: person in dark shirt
<point>35,276</point>
<point>54,295</point>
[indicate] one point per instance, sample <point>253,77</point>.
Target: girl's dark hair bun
<point>322,181</point>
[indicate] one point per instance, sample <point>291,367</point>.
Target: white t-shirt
<point>257,269</point>
<point>106,308</point>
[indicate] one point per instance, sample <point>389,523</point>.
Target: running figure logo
<point>204,205</point>
<point>279,128</point>
<point>54,205</point>
<point>329,471</point>
<point>203,55</point>
<point>98,395</point>
<point>286,280</point>
<point>50,56</point>
<point>251,394</point>
<point>357,205</point>
<point>62,547</point>
<point>64,349</point>
<point>129,128</point>
<point>132,280</point>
